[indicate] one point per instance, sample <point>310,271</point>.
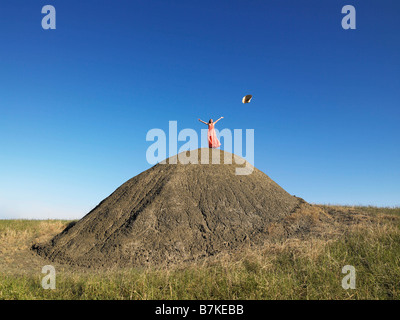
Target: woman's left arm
<point>218,120</point>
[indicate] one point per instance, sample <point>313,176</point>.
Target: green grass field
<point>307,268</point>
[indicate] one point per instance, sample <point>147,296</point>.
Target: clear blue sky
<point>76,102</point>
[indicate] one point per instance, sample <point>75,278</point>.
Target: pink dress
<point>213,141</point>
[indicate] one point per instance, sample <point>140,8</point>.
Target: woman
<point>213,141</point>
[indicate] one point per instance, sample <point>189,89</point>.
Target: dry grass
<point>16,239</point>
<point>293,264</point>
<point>17,235</point>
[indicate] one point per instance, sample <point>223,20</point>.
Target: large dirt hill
<point>172,213</point>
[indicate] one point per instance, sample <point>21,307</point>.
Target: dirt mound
<point>175,212</point>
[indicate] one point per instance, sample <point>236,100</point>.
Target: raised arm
<point>218,120</point>
<point>203,121</point>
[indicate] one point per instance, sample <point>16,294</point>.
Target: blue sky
<point>76,102</point>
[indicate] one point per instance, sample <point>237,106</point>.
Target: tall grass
<point>290,269</point>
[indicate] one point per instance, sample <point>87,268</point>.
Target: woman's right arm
<point>203,121</point>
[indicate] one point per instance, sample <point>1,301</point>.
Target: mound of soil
<point>175,212</point>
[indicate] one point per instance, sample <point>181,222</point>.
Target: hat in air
<point>246,99</point>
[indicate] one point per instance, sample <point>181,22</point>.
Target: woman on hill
<point>213,141</point>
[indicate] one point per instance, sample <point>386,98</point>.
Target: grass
<point>296,268</point>
<point>371,209</point>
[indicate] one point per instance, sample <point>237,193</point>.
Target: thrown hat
<point>246,99</point>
